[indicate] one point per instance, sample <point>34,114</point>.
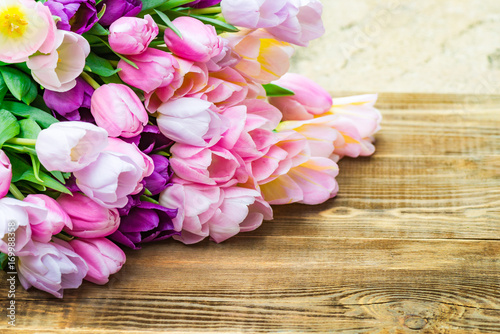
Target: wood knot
<point>415,322</point>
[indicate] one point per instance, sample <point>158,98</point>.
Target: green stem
<point>90,80</point>
<point>165,154</point>
<point>64,237</point>
<point>16,192</point>
<point>22,141</point>
<point>201,11</point>
<point>148,199</point>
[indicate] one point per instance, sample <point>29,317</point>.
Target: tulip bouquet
<point>124,122</point>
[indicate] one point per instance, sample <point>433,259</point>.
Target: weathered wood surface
<point>410,245</point>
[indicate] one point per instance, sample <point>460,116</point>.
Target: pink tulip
<point>190,121</point>
<point>356,120</point>
<point>102,256</point>
<point>212,211</point>
<point>132,35</point>
<point>70,146</point>
<point>58,70</point>
<point>263,58</point>
<point>118,110</point>
<point>110,179</point>
<point>320,133</point>
<point>157,66</point>
<point>190,78</point>
<point>226,58</point>
<point>226,88</point>
<point>141,160</point>
<point>5,174</point>
<point>90,220</point>
<point>52,267</point>
<point>300,177</point>
<point>55,221</point>
<point>16,217</point>
<point>27,27</point>
<point>310,99</point>
<point>199,41</point>
<point>303,23</point>
<point>255,14</point>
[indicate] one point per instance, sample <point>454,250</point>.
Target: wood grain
<point>410,245</point>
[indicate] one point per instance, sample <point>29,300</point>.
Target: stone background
<point>421,46</point>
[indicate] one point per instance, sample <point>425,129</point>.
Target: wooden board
<point>410,245</point>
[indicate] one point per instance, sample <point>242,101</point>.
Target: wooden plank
<point>287,284</point>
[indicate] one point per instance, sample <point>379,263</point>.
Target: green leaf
<point>169,23</point>
<point>172,4</point>
<point>9,128</point>
<point>113,79</point>
<point>21,170</point>
<point>273,90</point>
<point>19,148</point>
<point>29,129</point>
<point>20,84</point>
<point>3,260</point>
<point>3,88</point>
<point>216,23</point>
<point>100,66</point>
<point>99,30</point>
<point>58,175</point>
<point>101,13</point>
<point>43,118</point>
<point>150,4</point>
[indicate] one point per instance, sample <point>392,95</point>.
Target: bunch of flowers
<point>124,122</point>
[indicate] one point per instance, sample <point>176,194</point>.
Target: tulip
<point>202,3</point>
<point>116,9</point>
<point>55,221</point>
<point>155,65</point>
<point>70,146</point>
<point>303,23</point>
<point>141,160</point>
<point>75,15</point>
<point>118,110</point>
<point>263,58</point>
<point>102,256</point>
<point>210,166</point>
<point>52,267</point>
<point>90,220</point>
<point>190,121</point>
<point>110,179</point>
<point>26,27</point>
<point>212,211</point>
<point>357,120</point>
<point>132,35</point>
<point>59,69</point>
<point>5,174</point>
<point>144,223</point>
<point>150,140</point>
<point>199,41</point>
<point>310,99</point>
<point>67,104</point>
<point>16,217</point>
<point>254,14</point>
<point>158,180</point>
<point>226,88</point>
<point>226,58</point>
<point>189,80</point>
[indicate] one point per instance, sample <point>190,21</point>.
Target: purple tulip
<point>151,139</point>
<point>145,223</point>
<point>73,105</point>
<point>76,15</point>
<point>203,3</point>
<point>158,181</point>
<point>118,8</point>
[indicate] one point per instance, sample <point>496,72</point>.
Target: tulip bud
<point>310,98</point>
<point>5,174</point>
<point>118,110</point>
<point>155,65</point>
<point>102,256</point>
<point>56,218</point>
<point>199,41</point>
<point>132,35</point>
<point>70,146</point>
<point>90,220</point>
